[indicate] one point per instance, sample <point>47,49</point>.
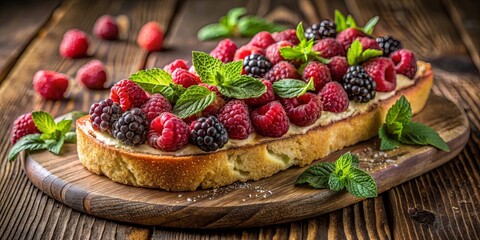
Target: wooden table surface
<point>443,32</point>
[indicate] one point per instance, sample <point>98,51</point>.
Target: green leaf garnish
<point>302,52</point>
<point>53,136</point>
<point>349,22</point>
<point>368,28</point>
<point>194,100</point>
<point>356,55</point>
<point>242,88</point>
<point>290,88</point>
<point>344,173</point>
<point>213,31</point>
<point>248,26</point>
<point>399,128</point>
<point>206,67</point>
<point>157,80</point>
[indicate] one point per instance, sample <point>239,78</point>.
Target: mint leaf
<point>151,78</point>
<point>300,33</point>
<point>233,15</point>
<point>64,126</point>
<point>248,26</point>
<point>30,142</point>
<point>419,134</point>
<point>291,53</point>
<point>290,88</point>
<point>400,112</point>
<point>194,100</point>
<point>361,184</point>
<point>345,162</point>
<point>213,31</point>
<point>387,143</point>
<point>232,70</point>
<point>340,21</point>
<point>44,122</point>
<point>368,28</point>
<point>206,67</point>
<point>303,51</point>
<point>351,22</point>
<point>317,175</point>
<point>171,92</point>
<point>242,88</point>
<point>353,52</point>
<point>71,137</point>
<point>335,182</point>
<point>369,53</point>
<point>55,146</point>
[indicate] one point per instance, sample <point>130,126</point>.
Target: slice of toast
<point>252,159</point>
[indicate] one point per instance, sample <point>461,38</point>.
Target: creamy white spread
<point>325,119</point>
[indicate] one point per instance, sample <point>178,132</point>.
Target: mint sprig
<point>356,55</point>
<point>349,22</point>
<point>235,23</point>
<point>302,52</point>
<point>227,77</point>
<point>344,173</point>
<point>399,129</point>
<point>157,80</point>
<point>194,100</point>
<point>53,135</point>
<point>290,88</point>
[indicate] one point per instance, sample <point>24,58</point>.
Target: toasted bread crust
<point>253,162</point>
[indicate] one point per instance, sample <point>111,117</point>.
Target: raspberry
<point>178,63</point>
<point>338,67</point>
<point>270,120</point>
<point>405,62</point>
<point>329,48</point>
<point>150,37</point>
<point>103,114</point>
<point>156,105</point>
<point>256,65</point>
<point>347,36</point>
<point>184,78</point>
<point>225,50</point>
<point>208,134</point>
<point>382,70</point>
<point>359,86</point>
<point>262,40</point>
<point>168,132</point>
<point>319,72</point>
<point>282,70</point>
<point>92,75</point>
<point>22,126</point>
<point>303,110</point>
<point>388,45</point>
<point>106,28</point>
<point>74,44</point>
<point>265,98</point>
<point>368,43</point>
<point>128,94</point>
<point>236,119</point>
<point>131,128</point>
<point>289,35</point>
<point>50,85</point>
<point>273,51</point>
<point>334,97</point>
<point>247,50</point>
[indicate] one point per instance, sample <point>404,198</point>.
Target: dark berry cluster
<point>359,86</point>
<point>103,114</point>
<point>388,45</point>
<point>324,29</point>
<point>131,128</point>
<point>256,65</point>
<point>208,134</point>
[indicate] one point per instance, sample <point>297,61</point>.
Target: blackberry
<point>324,29</point>
<point>388,44</point>
<point>256,65</point>
<point>131,128</point>
<point>359,86</point>
<point>208,134</point>
<point>103,114</point>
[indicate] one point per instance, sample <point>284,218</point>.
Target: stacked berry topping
<point>274,81</point>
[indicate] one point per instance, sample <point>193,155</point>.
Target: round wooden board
<point>269,201</point>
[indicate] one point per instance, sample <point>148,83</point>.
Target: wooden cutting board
<point>269,201</point>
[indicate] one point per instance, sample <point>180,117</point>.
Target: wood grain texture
<point>25,211</point>
<point>248,204</point>
<point>17,30</point>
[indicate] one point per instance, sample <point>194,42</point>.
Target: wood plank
<point>464,15</point>
<point>24,210</point>
<point>17,30</point>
